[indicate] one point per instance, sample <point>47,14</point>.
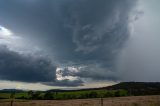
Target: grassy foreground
<point>38,95</point>
<point>116,101</point>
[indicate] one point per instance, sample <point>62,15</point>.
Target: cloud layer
<point>97,30</point>
<point>86,34</point>
<point>26,68</point>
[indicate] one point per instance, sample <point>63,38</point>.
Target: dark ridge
<point>134,85</point>
<point>11,90</point>
<point>122,85</point>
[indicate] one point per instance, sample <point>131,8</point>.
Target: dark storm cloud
<point>66,82</point>
<point>91,71</point>
<point>30,68</point>
<point>97,30</point>
<point>26,68</point>
<point>89,31</point>
<point>83,32</point>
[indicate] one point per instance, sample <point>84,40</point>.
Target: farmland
<point>115,101</point>
<point>122,94</point>
<point>118,90</point>
<point>38,95</point>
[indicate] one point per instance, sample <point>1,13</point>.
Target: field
<point>115,101</point>
<point>30,95</point>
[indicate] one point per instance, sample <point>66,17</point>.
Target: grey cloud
<point>83,32</point>
<point>30,68</point>
<point>98,31</point>
<point>66,82</point>
<point>26,68</point>
<point>94,72</point>
<point>79,30</point>
<point>96,34</point>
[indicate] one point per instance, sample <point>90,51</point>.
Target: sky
<point>74,44</point>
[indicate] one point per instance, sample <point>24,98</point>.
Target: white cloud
<point>4,32</point>
<point>7,34</point>
<point>7,37</point>
<point>60,76</point>
<point>16,43</point>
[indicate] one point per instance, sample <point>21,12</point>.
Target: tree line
<point>74,95</point>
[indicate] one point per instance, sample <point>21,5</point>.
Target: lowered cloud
<point>66,83</point>
<point>88,71</point>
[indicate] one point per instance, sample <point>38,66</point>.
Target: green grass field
<point>66,95</point>
<point>17,95</point>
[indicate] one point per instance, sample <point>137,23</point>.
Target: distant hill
<point>134,85</point>
<point>133,88</point>
<point>137,88</point>
<point>10,90</point>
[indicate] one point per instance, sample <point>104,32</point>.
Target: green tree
<point>48,96</point>
<point>117,93</point>
<point>93,94</point>
<point>12,97</point>
<point>30,94</point>
<point>36,95</point>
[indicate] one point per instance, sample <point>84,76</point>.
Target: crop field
<point>114,101</point>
